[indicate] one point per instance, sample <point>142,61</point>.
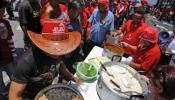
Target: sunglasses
<point>137,15</point>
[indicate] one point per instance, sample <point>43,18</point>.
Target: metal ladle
<point>102,65</point>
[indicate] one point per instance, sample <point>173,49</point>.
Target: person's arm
<point>131,47</point>
<point>134,65</point>
<point>66,72</point>
<point>111,26</point>
<point>23,18</point>
<point>122,29</point>
<point>116,14</point>
<point>169,50</point>
<point>24,28</point>
<point>21,77</point>
<point>171,47</point>
<point>16,90</point>
<point>90,20</point>
<point>48,11</point>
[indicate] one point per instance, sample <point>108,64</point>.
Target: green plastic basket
<point>83,73</point>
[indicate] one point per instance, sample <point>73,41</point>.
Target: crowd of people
<point>83,24</point>
<point>164,12</point>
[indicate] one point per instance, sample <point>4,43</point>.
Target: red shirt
<point>62,8</point>
<point>6,45</point>
<point>122,8</point>
<point>148,58</point>
<point>84,17</point>
<point>144,2</point>
<point>132,34</point>
<point>92,8</point>
<point>84,20</point>
<point>87,11</point>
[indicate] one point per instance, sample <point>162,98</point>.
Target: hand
<point>145,78</point>
<point>88,40</point>
<point>119,32</point>
<point>127,62</point>
<point>77,80</point>
<point>124,44</point>
<point>112,33</point>
<point>48,76</point>
<point>43,97</point>
<point>168,50</point>
<point>116,15</point>
<point>82,42</point>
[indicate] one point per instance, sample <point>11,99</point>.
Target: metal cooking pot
<point>105,92</point>
<point>113,52</point>
<point>58,86</point>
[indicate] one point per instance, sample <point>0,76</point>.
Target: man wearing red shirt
<point>147,52</point>
<point>132,29</point>
<point>54,10</point>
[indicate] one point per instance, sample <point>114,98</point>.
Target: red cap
<point>103,1</point>
<point>150,34</point>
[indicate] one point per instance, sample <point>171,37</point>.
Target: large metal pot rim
<point>58,86</point>
<point>117,92</point>
<point>132,71</point>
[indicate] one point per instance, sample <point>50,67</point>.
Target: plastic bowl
<point>83,73</point>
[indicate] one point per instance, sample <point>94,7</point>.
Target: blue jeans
<point>3,89</point>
